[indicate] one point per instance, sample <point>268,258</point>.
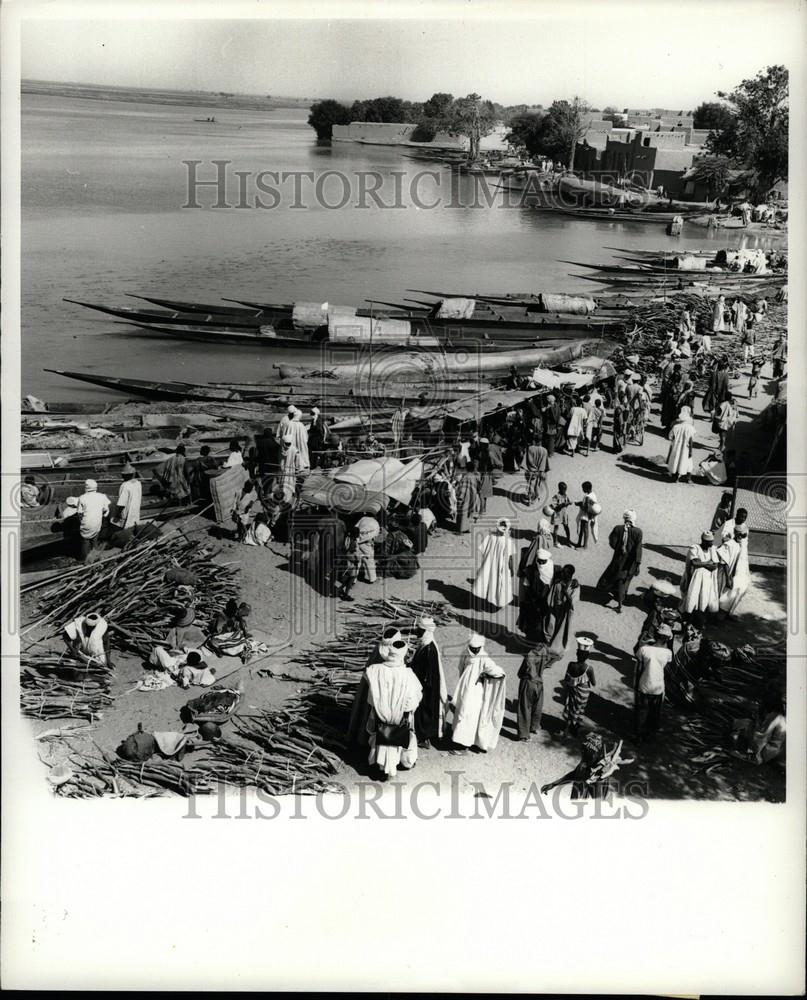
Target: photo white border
<point>697,897</point>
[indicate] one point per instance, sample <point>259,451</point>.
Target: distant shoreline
<point>135,95</point>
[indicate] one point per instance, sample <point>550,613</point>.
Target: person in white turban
<point>357,727</point>
<point>427,665</point>
<point>737,573</point>
<point>494,577</point>
<point>699,581</point>
<point>285,421</point>
<point>393,695</point>
<point>478,699</point>
<point>88,636</point>
<point>535,574</point>
<point>93,512</point>
<point>299,438</point>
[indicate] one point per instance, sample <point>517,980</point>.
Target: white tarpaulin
<point>456,309</point>
<point>554,380</point>
<point>309,314</point>
<point>394,479</point>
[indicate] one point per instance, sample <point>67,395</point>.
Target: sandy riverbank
<point>285,610</point>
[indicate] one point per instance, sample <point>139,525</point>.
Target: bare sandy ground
<point>671,516</point>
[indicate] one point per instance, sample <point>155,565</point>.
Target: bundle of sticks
<point>703,740</point>
<point>131,592</point>
<point>294,749</point>
<point>63,687</point>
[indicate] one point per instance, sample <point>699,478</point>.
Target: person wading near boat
<point>199,474</point>
<point>88,636</point>
<point>93,512</point>
<point>626,541</point>
<point>427,666</point>
<point>393,695</point>
<point>478,699</point>
<point>531,690</point>
<point>173,475</point>
<point>130,494</point>
<point>652,659</point>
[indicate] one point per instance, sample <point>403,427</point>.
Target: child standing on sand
<point>560,513</point>
<point>545,529</point>
<point>589,511</point>
<point>756,368</point>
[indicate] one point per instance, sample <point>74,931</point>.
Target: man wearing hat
<point>652,659</point>
<point>626,541</point>
<point>427,666</point>
<point>93,512</point>
<point>127,510</point>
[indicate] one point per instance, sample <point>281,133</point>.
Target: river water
<point>104,185</point>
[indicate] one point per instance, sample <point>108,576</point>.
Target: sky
<point>637,54</point>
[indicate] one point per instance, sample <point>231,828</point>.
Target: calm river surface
<point>103,188</point>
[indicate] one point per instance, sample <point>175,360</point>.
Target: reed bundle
<point>294,749</point>
<point>702,741</point>
<point>130,591</point>
<point>63,687</point>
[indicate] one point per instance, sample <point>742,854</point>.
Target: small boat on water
<point>444,320</point>
<point>616,215</point>
<point>179,391</point>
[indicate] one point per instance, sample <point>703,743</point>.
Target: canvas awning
<point>556,380</point>
<point>320,490</point>
<point>387,476</point>
<point>486,404</point>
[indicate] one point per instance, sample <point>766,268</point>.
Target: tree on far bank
<point>756,136</point>
<point>378,109</point>
<point>469,116</point>
<point>713,115</point>
<point>713,173</point>
<point>325,114</point>
<point>437,105</point>
<point>554,134</point>
<point>525,132</point>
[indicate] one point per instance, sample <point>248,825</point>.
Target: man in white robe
<point>738,578</point>
<point>699,587</point>
<point>88,636</point>
<point>285,422</point>
<point>494,578</point>
<point>299,438</point>
<point>393,695</point>
<point>478,699</point>
<point>679,457</point>
<point>290,467</point>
